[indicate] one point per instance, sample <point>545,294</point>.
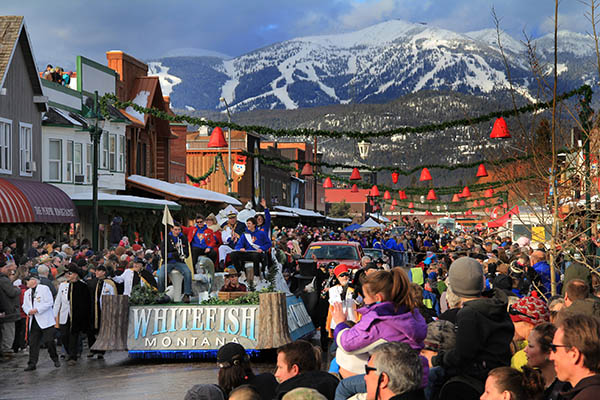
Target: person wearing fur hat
<point>72,309</point>
<point>484,328</point>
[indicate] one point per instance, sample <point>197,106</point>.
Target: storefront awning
<point>299,211</point>
<point>503,219</point>
<point>179,191</point>
<point>23,201</point>
<point>117,200</point>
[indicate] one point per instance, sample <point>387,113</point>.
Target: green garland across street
<point>584,91</point>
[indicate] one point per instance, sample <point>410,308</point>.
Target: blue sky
<point>63,29</point>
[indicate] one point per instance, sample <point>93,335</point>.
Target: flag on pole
<point>167,219</point>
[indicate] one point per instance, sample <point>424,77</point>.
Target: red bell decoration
<point>488,193</point>
<point>354,188</point>
<point>307,170</point>
<point>431,195</point>
<point>481,203</point>
<point>428,212</point>
<point>500,130</point>
<point>387,195</point>
<point>412,211</point>
<point>469,212</point>
<point>355,176</point>
<point>327,184</point>
<point>504,205</point>
<point>411,205</point>
<point>425,175</point>
<point>395,176</point>
<point>402,195</point>
<point>481,171</point>
<point>475,203</point>
<point>455,198</point>
<point>392,207</point>
<point>216,138</point>
<point>374,191</point>
<point>394,202</point>
<point>487,210</point>
<point>465,192</point>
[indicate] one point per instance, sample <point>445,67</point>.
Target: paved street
<point>115,377</point>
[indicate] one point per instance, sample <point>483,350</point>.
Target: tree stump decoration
<point>114,324</point>
<point>273,329</point>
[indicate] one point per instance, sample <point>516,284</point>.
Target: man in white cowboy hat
<point>232,230</point>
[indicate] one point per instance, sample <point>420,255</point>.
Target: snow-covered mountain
<point>372,65</point>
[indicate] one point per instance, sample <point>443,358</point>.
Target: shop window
<point>112,152</point>
<point>5,149</point>
<point>69,162</point>
<point>55,160</point>
<point>89,154</point>
<point>78,159</point>
<point>25,164</point>
<point>121,155</point>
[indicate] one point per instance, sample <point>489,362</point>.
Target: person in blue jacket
<point>264,223</point>
<point>253,246</point>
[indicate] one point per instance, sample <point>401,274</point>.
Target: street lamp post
<point>228,143</point>
<point>95,135</point>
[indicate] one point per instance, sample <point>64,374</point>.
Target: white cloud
<point>366,13</point>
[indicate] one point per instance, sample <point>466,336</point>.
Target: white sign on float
<point>206,327</point>
<point>191,327</point>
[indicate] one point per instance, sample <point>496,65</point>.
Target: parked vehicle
<point>348,253</point>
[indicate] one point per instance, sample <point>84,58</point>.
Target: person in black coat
<point>116,232</point>
<point>79,312</point>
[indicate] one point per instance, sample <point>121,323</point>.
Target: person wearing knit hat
<point>526,314</point>
<point>205,392</point>
<point>484,329</point>
<point>466,277</point>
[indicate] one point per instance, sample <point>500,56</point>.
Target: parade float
<point>173,330</point>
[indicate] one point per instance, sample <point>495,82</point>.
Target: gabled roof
<point>12,29</point>
<point>144,91</point>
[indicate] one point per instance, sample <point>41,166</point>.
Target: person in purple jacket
<point>252,246</point>
<point>390,314</point>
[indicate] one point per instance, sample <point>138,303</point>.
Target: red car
<point>348,253</point>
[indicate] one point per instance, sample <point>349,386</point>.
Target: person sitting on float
<point>264,222</point>
<point>253,246</point>
<point>390,315</point>
<point>232,283</point>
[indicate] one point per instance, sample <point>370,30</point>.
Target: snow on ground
<point>141,99</point>
<point>167,81</point>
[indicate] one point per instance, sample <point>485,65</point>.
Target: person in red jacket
<point>202,240</point>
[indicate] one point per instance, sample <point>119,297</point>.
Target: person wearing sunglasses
<point>342,293</point>
<point>394,372</point>
<point>575,350</point>
<point>538,356</point>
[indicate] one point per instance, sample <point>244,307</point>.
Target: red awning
<point>503,219</point>
<point>23,201</point>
